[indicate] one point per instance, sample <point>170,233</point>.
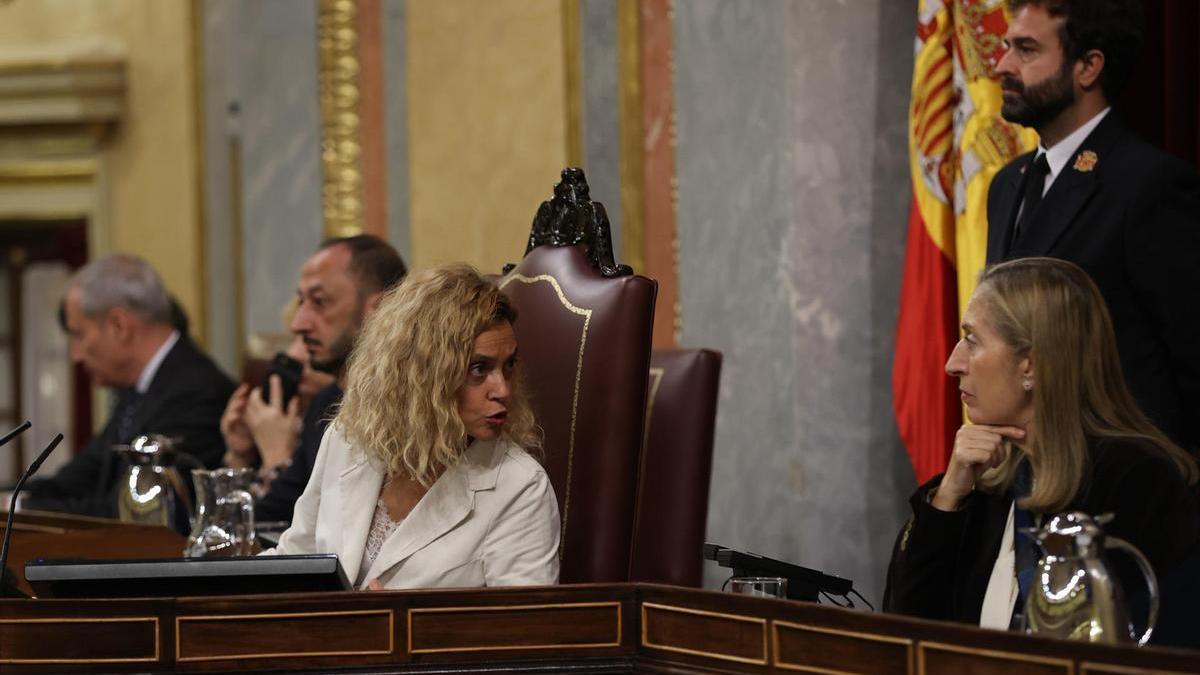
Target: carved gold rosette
<point>341,141</point>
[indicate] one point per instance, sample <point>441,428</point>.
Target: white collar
<point>1062,152</point>
<point>147,376</point>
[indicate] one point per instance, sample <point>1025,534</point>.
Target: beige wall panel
<point>151,159</point>
<point>487,125</point>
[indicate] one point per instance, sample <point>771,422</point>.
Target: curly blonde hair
<point>408,365</point>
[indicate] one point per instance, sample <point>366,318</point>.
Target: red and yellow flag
<point>956,142</point>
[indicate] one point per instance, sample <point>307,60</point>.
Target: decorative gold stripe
<point>989,653</point>
<point>56,169</point>
<point>500,608</point>
<point>696,652</point>
<point>391,617</point>
<point>196,67</point>
<point>573,58</point>
<point>1090,667</point>
<point>130,619</point>
<point>587,320</point>
<point>235,254</point>
<point>629,130</point>
<point>776,625</point>
<point>65,64</point>
<point>341,122</point>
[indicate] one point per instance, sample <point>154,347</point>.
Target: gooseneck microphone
<point>12,506</point>
<point>15,432</point>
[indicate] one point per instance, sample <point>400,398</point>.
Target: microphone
<point>15,432</point>
<point>12,506</point>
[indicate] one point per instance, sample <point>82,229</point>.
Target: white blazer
<point>489,520</point>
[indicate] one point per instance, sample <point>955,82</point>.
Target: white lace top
<point>382,527</point>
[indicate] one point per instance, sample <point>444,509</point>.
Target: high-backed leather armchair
<point>672,504</point>
<point>583,330</point>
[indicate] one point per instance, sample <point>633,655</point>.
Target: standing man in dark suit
<point>123,331</point>
<point>340,286</point>
<point>1095,194</point>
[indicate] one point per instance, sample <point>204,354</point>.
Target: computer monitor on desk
<point>185,576</point>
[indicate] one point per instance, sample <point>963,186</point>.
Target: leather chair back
<point>676,463</point>
<point>585,350</point>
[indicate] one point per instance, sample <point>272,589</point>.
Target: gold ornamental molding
<point>61,89</point>
<point>341,121</point>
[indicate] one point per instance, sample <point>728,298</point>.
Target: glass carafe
<point>224,522</point>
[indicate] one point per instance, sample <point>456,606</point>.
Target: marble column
<point>793,196</point>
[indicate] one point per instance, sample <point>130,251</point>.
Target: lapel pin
<point>1086,161</point>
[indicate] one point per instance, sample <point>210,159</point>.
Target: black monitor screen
<point>177,577</point>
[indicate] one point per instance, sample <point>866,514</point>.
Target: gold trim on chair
<point>391,635</point>
<point>130,619</point>
<point>514,608</point>
<point>587,320</point>
<point>762,623</point>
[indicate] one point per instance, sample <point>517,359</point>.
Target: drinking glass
<point>765,587</point>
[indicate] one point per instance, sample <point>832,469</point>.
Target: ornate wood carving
<point>571,218</point>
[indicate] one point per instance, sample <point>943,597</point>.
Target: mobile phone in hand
<point>289,371</point>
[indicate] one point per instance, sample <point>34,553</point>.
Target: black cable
<point>860,597</point>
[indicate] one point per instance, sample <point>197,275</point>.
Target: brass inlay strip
<point>391,617</point>
<point>130,619</point>
<point>776,625</point>
<point>41,529</point>
<point>512,608</point>
<point>573,59</point>
<point>1091,667</point>
<point>342,201</point>
<point>587,320</point>
<point>762,623</point>
<point>632,158</point>
<point>989,653</point>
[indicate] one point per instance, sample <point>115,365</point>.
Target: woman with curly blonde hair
<point>425,476</point>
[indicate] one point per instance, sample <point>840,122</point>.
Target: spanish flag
<point>956,142</point>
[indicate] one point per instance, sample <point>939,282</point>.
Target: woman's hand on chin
<point>977,448</point>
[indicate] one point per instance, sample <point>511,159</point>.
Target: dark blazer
<point>943,560</point>
<point>1132,221</point>
<point>185,400</point>
<point>280,501</point>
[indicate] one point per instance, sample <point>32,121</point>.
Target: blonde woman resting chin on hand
<point>425,478</point>
<point>1053,428</point>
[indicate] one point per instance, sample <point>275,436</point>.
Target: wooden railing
<point>601,628</point>
<point>623,628</point>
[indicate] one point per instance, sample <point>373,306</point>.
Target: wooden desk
<point>592,628</point>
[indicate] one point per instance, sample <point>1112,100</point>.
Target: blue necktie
<point>1025,554</point>
<point>127,407</point>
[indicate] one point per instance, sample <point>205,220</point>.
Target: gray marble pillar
<point>601,112</point>
<point>261,101</point>
<point>793,196</point>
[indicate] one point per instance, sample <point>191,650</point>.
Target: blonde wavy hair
<point>408,365</point>
<point>1051,309</point>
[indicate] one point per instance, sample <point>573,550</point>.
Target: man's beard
<point>1038,104</point>
<point>339,353</point>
